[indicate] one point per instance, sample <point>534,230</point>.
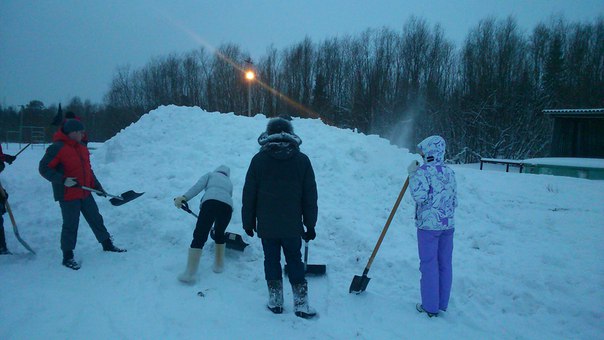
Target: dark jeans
<point>71,219</point>
<point>215,213</point>
<point>2,239</point>
<point>293,258</point>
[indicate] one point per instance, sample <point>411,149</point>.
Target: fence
<point>28,134</point>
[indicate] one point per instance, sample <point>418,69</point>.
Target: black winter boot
<point>301,307</point>
<point>421,309</point>
<point>68,260</point>
<point>108,246</point>
<point>275,296</point>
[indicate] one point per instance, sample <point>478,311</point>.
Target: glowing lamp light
<point>249,75</point>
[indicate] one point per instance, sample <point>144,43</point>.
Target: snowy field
<point>527,259</point>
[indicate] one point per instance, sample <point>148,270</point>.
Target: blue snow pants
<point>435,255</point>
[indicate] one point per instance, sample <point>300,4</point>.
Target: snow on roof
<point>568,161</point>
<point>558,112</point>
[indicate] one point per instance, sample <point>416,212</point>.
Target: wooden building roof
<point>599,112</point>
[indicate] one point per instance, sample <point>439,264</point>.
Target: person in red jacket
<point>8,159</point>
<point>66,164</point>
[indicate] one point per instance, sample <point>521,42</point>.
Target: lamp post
<point>250,76</point>
<point>21,114</point>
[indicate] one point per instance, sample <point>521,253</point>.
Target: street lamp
<point>21,114</point>
<point>250,76</point>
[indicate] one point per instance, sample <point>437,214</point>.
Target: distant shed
<point>577,133</point>
<point>589,168</point>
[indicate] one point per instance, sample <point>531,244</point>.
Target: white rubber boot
<point>192,263</point>
<point>219,258</point>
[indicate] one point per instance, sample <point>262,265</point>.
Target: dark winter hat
<point>72,125</point>
<point>278,125</point>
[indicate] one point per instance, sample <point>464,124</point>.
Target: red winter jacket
<point>68,158</point>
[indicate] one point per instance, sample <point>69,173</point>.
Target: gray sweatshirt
<point>217,185</point>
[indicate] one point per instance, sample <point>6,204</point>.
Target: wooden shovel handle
<point>379,242</point>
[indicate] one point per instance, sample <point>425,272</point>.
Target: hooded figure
<point>434,190</point>
<point>279,201</point>
<point>215,210</point>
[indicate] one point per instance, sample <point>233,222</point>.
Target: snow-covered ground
<point>527,259</point>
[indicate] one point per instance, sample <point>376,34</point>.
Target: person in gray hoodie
<point>215,210</point>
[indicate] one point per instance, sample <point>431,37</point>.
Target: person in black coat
<point>279,200</point>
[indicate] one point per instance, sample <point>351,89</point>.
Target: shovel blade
<point>316,269</point>
<point>126,197</point>
<point>23,243</point>
<point>235,241</point>
<point>359,284</point>
<point>311,269</point>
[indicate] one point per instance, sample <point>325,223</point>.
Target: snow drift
<point>527,258</point>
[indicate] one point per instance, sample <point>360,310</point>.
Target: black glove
<point>9,159</point>
<point>310,234</point>
<point>249,232</point>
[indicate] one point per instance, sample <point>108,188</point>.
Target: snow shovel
<point>117,200</point>
<point>310,269</point>
<point>359,283</point>
<point>12,220</point>
<point>233,241</point>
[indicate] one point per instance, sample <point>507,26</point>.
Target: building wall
<point>578,137</point>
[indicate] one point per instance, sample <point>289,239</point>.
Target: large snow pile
<point>527,258</point>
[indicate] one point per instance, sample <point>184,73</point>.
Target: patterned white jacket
<point>434,188</point>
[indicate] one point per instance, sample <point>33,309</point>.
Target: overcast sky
<point>54,50</point>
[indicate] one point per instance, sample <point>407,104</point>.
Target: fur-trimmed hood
<point>279,139</point>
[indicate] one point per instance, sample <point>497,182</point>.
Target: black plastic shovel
<point>359,283</point>
<point>117,200</point>
<point>233,241</point>
<point>310,269</point>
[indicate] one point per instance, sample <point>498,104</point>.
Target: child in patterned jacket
<point>434,191</point>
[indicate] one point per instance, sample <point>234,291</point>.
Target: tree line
<point>485,97</point>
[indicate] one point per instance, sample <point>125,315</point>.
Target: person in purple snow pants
<point>434,191</point>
